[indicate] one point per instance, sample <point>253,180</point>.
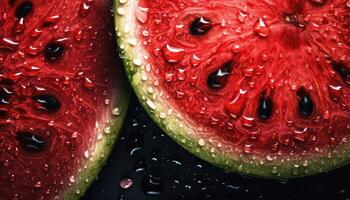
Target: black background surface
<point>176,174</point>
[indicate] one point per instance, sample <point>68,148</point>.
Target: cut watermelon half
<point>62,96</point>
<point>255,87</point>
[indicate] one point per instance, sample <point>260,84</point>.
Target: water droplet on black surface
<point>134,142</point>
<point>140,165</point>
<point>175,160</point>
<point>121,197</point>
<point>126,183</point>
<point>152,184</point>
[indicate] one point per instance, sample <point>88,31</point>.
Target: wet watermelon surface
<point>160,169</point>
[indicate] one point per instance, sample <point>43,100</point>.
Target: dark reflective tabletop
<point>157,168</point>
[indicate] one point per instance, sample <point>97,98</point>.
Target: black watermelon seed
<point>7,82</point>
<point>305,104</point>
<point>200,26</point>
<point>31,141</point>
<point>23,9</point>
<point>218,79</point>
<point>5,95</point>
<point>318,2</point>
<point>53,51</point>
<point>342,70</point>
<point>265,108</point>
<point>12,2</point>
<point>48,103</point>
<point>4,114</point>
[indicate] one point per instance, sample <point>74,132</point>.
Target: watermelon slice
<point>62,96</point>
<point>256,87</point>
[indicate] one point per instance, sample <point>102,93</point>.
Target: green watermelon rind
<point>184,133</point>
<point>103,147</point>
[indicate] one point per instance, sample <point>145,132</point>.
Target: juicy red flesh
<point>55,85</point>
<point>288,91</point>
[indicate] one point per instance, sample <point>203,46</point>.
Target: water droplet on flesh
<point>261,28</point>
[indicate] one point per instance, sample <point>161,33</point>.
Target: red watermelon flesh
<point>257,87</point>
